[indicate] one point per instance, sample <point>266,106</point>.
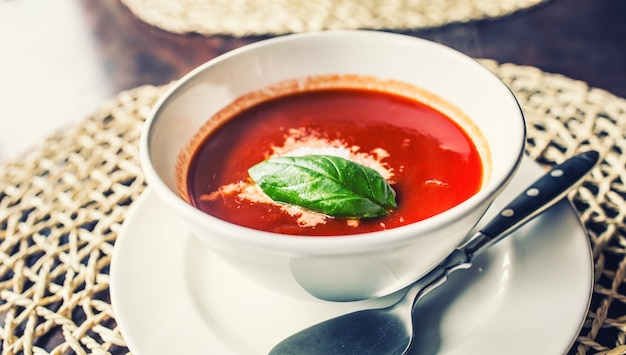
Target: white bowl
<point>351,267</point>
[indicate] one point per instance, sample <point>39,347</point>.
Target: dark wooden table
<point>581,39</point>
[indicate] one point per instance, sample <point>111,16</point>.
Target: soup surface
<point>429,160</point>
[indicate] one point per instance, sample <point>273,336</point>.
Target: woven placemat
<point>62,206</point>
<point>258,17</point>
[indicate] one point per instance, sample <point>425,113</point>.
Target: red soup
<point>428,159</point>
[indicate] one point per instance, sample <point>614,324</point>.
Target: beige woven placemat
<point>257,17</point>
<point>62,205</point>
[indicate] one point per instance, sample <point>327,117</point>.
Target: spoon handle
<point>541,195</point>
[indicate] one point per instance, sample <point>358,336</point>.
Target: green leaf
<point>326,184</point>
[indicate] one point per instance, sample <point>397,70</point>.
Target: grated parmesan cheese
<point>301,142</point>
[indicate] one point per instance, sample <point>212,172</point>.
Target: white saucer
<point>529,294</point>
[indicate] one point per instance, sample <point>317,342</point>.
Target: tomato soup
<point>430,161</point>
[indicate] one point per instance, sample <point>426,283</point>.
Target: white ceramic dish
<point>529,294</point>
<point>353,267</point>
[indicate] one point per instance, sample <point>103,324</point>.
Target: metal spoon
<point>390,330</point>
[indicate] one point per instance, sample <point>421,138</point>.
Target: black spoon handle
<point>546,191</point>
<point>539,196</point>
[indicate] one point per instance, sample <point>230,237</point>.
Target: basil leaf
<point>326,184</point>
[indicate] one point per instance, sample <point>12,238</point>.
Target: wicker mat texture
<point>62,206</point>
<point>257,17</point>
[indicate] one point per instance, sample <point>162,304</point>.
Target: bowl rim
<point>323,245</point>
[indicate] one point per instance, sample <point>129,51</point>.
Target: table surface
<point>60,60</point>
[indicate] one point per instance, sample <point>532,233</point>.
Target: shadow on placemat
<point>62,206</point>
